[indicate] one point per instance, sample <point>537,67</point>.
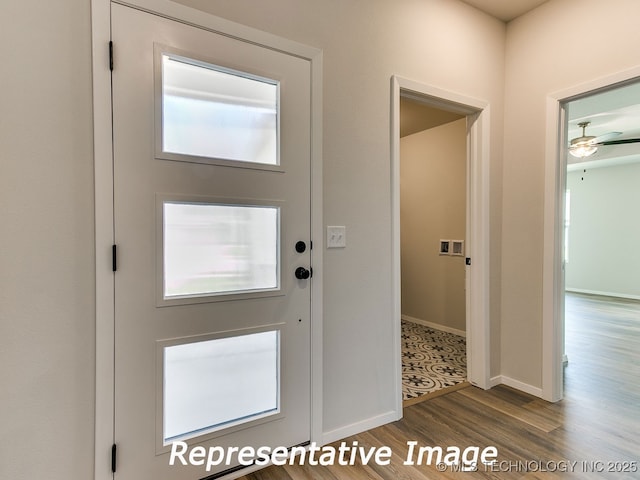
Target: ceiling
<point>416,117</point>
<point>505,10</point>
<point>614,110</point>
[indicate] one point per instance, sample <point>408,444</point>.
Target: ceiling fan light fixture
<point>582,149</point>
<point>583,146</point>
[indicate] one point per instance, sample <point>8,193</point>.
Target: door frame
<point>553,281</point>
<point>477,222</point>
<point>104,198</point>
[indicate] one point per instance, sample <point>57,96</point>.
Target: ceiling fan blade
<point>622,141</point>
<point>604,137</point>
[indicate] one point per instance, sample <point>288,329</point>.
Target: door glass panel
<point>212,249</point>
<point>219,383</point>
<point>208,111</point>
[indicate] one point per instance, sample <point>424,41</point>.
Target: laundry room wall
<point>433,208</point>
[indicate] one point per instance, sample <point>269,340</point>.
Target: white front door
<point>212,225</point>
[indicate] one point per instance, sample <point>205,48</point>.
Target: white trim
<point>358,427</point>
<point>552,332</point>
<point>604,294</point>
<point>104,238</point>
<point>101,34</point>
<point>554,197</point>
<point>478,274</point>
<point>439,98</point>
<point>396,293</point>
<point>435,326</point>
<point>317,235</point>
<point>207,21</point>
<point>510,382</point>
<point>477,241</point>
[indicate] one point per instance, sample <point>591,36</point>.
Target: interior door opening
<point>433,172</point>
<point>476,246</point>
<point>475,237</point>
<point>601,280</point>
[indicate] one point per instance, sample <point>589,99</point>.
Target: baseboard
<point>435,326</point>
<point>495,381</point>
<point>359,427</point>
<point>518,385</point>
<point>603,294</point>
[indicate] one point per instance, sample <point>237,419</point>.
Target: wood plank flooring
<point>597,424</point>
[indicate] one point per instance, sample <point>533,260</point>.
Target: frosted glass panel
<point>208,112</point>
<point>214,249</point>
<point>215,383</point>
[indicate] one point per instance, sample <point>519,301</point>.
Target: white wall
<point>557,46</point>
<point>47,319</point>
<point>433,207</point>
<point>604,234</point>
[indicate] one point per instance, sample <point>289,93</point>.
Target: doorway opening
<point>604,109</point>
<point>601,270</point>
<point>433,157</point>
<point>473,243</point>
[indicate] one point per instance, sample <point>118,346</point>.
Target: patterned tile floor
<point>431,360</point>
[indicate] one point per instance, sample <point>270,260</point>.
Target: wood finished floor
<point>598,420</point>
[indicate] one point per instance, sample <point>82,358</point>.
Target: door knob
<point>302,273</point>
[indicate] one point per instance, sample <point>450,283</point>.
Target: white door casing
<point>553,281</point>
<point>477,278</point>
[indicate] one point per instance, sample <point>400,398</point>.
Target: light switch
<point>336,237</point>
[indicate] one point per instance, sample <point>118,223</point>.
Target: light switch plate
<point>336,237</point>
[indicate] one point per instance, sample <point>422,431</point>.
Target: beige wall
<point>432,207</point>
<point>558,46</point>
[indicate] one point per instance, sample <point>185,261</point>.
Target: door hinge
<point>467,260</point>
<point>114,451</point>
<point>114,257</point>
<point>111,55</point>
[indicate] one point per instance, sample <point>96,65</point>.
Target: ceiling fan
<point>587,145</point>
